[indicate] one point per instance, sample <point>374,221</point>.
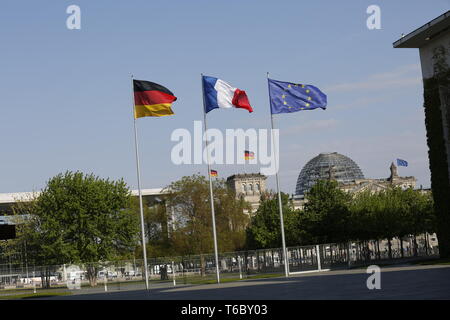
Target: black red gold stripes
<point>152,99</point>
<point>249,155</point>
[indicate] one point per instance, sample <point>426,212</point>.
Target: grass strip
<point>34,295</point>
<point>224,280</point>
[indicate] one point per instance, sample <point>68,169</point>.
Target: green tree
<point>264,230</point>
<point>391,213</point>
<point>31,243</point>
<point>230,217</point>
<point>80,218</point>
<point>326,214</point>
<point>156,221</point>
<point>190,199</point>
<point>362,226</point>
<point>420,217</point>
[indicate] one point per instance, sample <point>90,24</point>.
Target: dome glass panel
<point>343,169</point>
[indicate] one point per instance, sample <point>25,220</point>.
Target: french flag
<point>219,94</point>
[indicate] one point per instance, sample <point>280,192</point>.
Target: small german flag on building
<point>151,99</point>
<point>213,173</point>
<point>249,155</point>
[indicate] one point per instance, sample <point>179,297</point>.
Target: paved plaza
<point>399,282</point>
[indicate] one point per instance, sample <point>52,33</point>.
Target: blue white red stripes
<point>220,94</point>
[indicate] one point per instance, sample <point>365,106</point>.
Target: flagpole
<point>144,251</point>
<point>286,265</point>
<point>244,163</point>
<point>210,187</point>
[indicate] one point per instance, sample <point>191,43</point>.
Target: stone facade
<point>372,185</point>
<point>250,186</point>
<point>376,185</point>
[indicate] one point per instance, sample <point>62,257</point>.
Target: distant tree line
<point>83,219</point>
<point>331,215</point>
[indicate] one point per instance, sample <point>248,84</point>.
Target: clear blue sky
<point>65,95</point>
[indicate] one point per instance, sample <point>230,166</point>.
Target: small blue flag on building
<point>286,97</point>
<point>401,162</point>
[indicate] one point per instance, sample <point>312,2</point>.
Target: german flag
<point>213,173</point>
<point>151,99</point>
<point>249,155</point>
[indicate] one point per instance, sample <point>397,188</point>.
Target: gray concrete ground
<point>399,282</point>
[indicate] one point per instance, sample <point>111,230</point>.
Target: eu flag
<point>286,97</point>
<point>401,162</point>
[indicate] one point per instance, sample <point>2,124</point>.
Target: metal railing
<point>115,275</point>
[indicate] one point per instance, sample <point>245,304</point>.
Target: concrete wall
<point>427,60</point>
<point>427,52</point>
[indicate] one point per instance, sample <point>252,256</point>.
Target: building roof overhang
<point>423,35</point>
<point>27,196</point>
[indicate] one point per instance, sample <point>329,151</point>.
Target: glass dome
<point>343,169</point>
